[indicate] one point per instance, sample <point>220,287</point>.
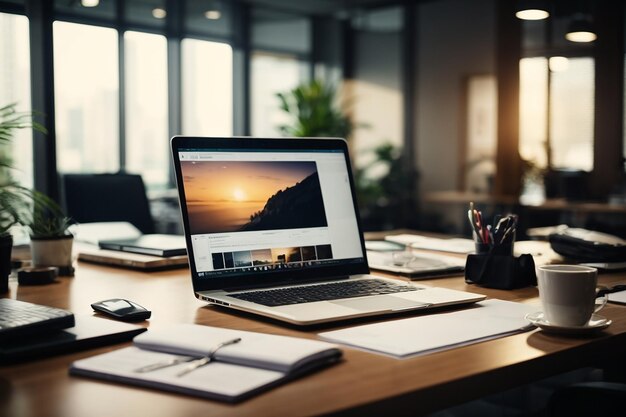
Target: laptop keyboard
<point>20,318</point>
<point>323,292</point>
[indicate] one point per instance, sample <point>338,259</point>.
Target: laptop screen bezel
<point>264,278</point>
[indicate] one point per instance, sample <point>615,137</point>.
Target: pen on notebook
<point>208,358</point>
<point>163,364</point>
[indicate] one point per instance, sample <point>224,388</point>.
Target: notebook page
<point>279,353</point>
<point>214,380</point>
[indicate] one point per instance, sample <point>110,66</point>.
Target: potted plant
<point>381,188</point>
<point>50,240</point>
<point>15,200</point>
<point>314,112</point>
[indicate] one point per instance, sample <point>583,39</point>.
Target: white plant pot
<point>55,251</point>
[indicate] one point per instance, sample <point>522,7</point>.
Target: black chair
<point>107,197</point>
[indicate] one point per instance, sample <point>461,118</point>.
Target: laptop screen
<point>267,209</point>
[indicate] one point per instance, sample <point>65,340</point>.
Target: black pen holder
<point>500,249</point>
<point>503,272</point>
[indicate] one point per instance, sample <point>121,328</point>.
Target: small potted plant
<point>50,238</point>
<point>15,200</point>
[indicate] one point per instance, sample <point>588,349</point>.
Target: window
<point>534,110</point>
<point>15,88</point>
<point>86,94</point>
<point>482,98</point>
<point>376,82</point>
<point>207,96</point>
<point>571,125</point>
<point>146,107</point>
<point>272,74</point>
<point>568,85</point>
<point>280,62</point>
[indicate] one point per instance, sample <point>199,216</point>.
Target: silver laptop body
<point>266,217</point>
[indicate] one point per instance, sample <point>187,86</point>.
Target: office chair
<point>107,197</point>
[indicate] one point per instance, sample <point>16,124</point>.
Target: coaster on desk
<point>37,275</point>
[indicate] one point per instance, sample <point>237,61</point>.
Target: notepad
<point>150,244</point>
<point>130,260</point>
<point>416,266</point>
<point>432,333</point>
<point>258,362</point>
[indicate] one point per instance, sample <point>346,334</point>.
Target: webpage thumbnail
<point>270,259</point>
<point>231,196</point>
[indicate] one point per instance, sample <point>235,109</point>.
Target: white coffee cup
<point>568,294</point>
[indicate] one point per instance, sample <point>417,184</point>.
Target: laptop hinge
<point>282,284</point>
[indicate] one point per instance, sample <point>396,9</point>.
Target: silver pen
<point>164,364</point>
<point>208,358</point>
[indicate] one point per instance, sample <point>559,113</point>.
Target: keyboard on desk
<point>20,318</point>
<point>323,292</point>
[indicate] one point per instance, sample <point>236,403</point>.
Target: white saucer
<point>595,324</point>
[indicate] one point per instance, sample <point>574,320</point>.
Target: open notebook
<point>259,361</point>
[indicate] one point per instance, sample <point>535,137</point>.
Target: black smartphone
<point>121,309</point>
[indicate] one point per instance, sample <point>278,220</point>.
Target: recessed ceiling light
<point>89,3</point>
<point>581,29</point>
<point>213,14</point>
<point>581,37</point>
<point>532,14</point>
<point>159,13</point>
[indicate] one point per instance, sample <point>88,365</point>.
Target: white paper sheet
<point>453,245</point>
<point>425,334</point>
<point>618,297</point>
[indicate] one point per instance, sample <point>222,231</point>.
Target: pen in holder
<point>494,265</point>
<point>497,238</point>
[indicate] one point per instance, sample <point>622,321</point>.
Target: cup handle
<point>601,294</point>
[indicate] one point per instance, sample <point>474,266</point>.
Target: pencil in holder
<point>496,248</point>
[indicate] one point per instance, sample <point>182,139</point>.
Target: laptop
<point>272,228</point>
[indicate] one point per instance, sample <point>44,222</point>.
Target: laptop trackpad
<point>379,303</point>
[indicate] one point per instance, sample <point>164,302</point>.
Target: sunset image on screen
<point>232,196</point>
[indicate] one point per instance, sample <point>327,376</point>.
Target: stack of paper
<point>259,361</point>
<point>454,245</point>
<point>425,334</point>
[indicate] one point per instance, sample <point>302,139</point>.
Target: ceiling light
<point>558,63</point>
<point>159,13</point>
<point>531,10</point>
<point>89,3</point>
<point>213,14</point>
<point>581,29</point>
<point>532,14</point>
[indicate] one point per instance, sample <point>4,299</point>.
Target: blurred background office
<point>448,100</point>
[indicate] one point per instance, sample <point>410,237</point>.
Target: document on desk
<point>618,297</point>
<point>416,266</point>
<point>234,371</point>
<point>453,245</point>
<point>436,332</point>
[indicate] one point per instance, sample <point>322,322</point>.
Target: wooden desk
<point>364,384</point>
